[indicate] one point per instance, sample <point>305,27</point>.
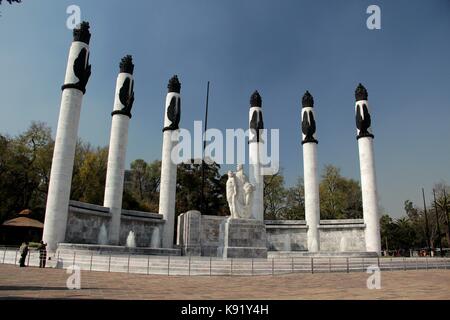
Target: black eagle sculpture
<point>173,114</point>
<point>81,66</point>
<point>126,92</point>
<point>256,122</point>
<point>308,127</point>
<point>82,70</point>
<point>308,121</point>
<point>126,96</point>
<point>174,108</point>
<point>363,121</point>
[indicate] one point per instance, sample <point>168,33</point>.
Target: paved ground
<point>38,283</point>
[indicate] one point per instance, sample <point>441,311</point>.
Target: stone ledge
<point>242,252</point>
<point>142,214</point>
<point>342,226</point>
<point>287,226</point>
<point>285,222</point>
<point>88,206</point>
<point>342,221</point>
<point>107,249</point>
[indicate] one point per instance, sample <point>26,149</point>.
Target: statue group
<point>239,194</point>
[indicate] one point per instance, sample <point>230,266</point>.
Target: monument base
<point>242,238</point>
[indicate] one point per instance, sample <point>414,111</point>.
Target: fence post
<point>168,265</point>
<point>329,264</point>
<point>231,266</point>
<point>312,265</point>
<point>273,266</point>
<point>4,254</point>
<point>28,261</point>
<point>109,263</point>
<point>210,266</point>
<point>74,255</point>
<point>90,265</point>
<point>426,260</point>
<point>404,264</point>
<point>252,266</point>
<point>128,264</point>
<point>292,264</point>
<point>378,262</point>
<point>363,265</point>
<point>417,263</point>
<point>148,265</point>
<point>15,258</point>
<point>189,273</point>
<point>57,260</point>
<point>348,267</point>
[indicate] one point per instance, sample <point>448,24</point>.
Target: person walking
<point>42,254</point>
<point>23,253</point>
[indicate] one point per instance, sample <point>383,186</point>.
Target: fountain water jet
<point>102,238</point>
<point>343,245</point>
<point>131,240</point>
<point>156,239</point>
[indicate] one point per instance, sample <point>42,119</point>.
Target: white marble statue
<point>239,194</point>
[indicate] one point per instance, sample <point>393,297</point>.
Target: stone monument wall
<point>286,235</point>
<point>199,235</point>
<point>85,221</point>
<point>346,235</point>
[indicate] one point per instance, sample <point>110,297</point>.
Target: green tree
<point>386,230</point>
<point>295,202</point>
<point>25,170</point>
<point>274,196</point>
<point>340,198</point>
<point>92,176</point>
<point>82,149</point>
<point>189,183</point>
<point>443,206</point>
<point>142,184</point>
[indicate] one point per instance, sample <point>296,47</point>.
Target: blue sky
<point>281,48</point>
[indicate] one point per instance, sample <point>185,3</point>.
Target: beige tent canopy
<point>24,222</point>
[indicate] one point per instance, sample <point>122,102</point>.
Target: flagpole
<point>203,152</point>
<point>437,222</point>
<point>426,223</point>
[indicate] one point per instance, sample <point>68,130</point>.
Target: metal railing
<point>212,266</point>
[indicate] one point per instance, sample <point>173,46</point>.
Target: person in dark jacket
<point>23,253</point>
<point>42,254</point>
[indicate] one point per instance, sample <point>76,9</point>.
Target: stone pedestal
<point>190,233</point>
<point>242,238</point>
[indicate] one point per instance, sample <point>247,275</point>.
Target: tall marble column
<point>77,75</point>
<point>256,124</point>
<point>312,202</point>
<point>168,181</point>
<point>367,166</point>
<point>121,115</point>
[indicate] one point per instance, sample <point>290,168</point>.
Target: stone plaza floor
<point>35,283</point>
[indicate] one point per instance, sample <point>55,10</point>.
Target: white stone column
<point>310,172</point>
<point>256,123</point>
<point>368,177</point>
<point>77,74</point>
<point>123,102</point>
<point>168,183</point>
